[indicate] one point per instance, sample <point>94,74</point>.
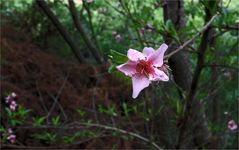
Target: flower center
<point>144,67</point>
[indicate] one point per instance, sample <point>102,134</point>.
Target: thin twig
<point>79,124</point>
<point>80,28</point>
<point>221,65</point>
<point>193,38</point>
<point>75,48</point>
<point>57,97</point>
<point>122,131</point>
<point>51,147</point>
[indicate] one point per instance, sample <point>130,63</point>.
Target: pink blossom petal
<point>128,68</point>
<point>12,138</point>
<point>148,51</point>
<point>9,130</point>
<point>157,56</point>
<point>135,55</point>
<point>139,83</point>
<point>158,76</point>
<point>232,125</point>
<point>14,94</point>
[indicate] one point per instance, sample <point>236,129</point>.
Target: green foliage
<point>81,112</point>
<point>55,121</point>
<point>17,117</point>
<point>109,111</point>
<point>170,29</point>
<point>117,59</point>
<point>47,137</point>
<point>38,121</point>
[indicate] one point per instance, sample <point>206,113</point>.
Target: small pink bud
<point>232,125</point>
<point>142,30</point>
<point>14,94</point>
<point>225,113</point>
<point>227,75</point>
<point>103,10</point>
<point>9,130</point>
<point>13,105</point>
<point>11,138</point>
<point>118,38</point>
<point>89,1</point>
<point>114,33</point>
<point>8,99</point>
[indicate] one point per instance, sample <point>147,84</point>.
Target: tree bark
<point>192,130</point>
<point>43,5</point>
<point>81,30</point>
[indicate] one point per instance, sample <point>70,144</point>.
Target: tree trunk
<point>192,131</point>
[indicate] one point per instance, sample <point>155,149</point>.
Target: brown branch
<point>77,125</point>
<point>203,29</point>
<point>83,33</point>
<point>87,8</point>
<point>43,5</point>
<point>64,146</point>
<point>221,65</point>
<point>229,27</point>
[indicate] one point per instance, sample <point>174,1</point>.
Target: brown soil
<point>40,78</point>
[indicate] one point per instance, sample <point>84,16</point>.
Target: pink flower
<point>103,10</point>
<point>117,36</point>
<point>9,130</point>
<point>142,30</point>
<point>89,1</point>
<point>14,94</point>
<point>10,98</point>
<point>228,75</point>
<point>232,125</point>
<point>11,138</point>
<point>144,67</point>
<point>13,105</point>
<point>149,28</point>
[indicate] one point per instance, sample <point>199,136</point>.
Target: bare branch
<point>43,5</point>
<point>77,125</point>
<point>204,28</point>
<point>83,33</point>
<point>222,66</point>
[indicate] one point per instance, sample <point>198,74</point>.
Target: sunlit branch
<point>192,39</point>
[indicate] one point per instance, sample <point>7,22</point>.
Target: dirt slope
<point>39,79</point>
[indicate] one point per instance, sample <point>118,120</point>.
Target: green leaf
<point>179,107</point>
<point>126,110</point>
<point>2,129</point>
<point>55,120</point>
<point>38,121</point>
<point>81,112</point>
<point>117,58</point>
<point>112,68</point>
<point>68,139</point>
<point>170,28</point>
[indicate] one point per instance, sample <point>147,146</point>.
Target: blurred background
<point>60,88</point>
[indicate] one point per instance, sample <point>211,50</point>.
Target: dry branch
<point>204,28</point>
<point>83,33</point>
<point>43,5</point>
